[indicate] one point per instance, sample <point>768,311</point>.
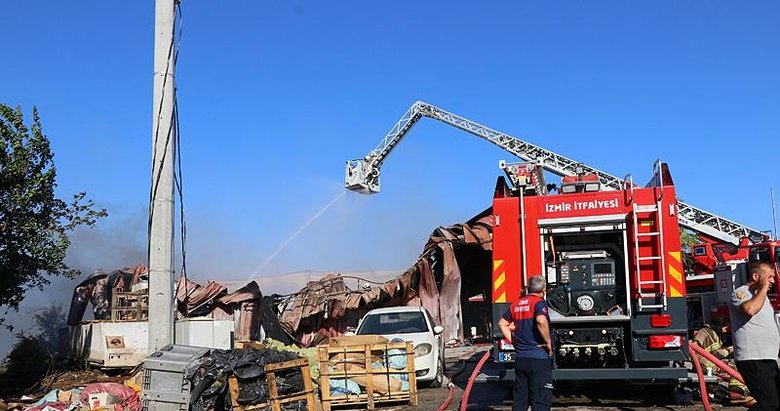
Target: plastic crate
<point>166,388</point>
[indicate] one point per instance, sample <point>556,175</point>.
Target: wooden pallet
<point>364,356</point>
<point>248,345</point>
<point>275,400</point>
<point>129,306</point>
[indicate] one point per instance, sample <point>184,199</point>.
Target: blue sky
<point>276,96</point>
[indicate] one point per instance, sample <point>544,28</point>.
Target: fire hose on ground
<point>694,349</point>
<point>705,397</point>
<point>464,401</point>
<point>717,361</point>
<point>447,402</point>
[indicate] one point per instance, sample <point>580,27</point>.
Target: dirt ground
<point>495,397</point>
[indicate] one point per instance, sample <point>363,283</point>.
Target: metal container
<point>205,332</point>
<point>728,278</point>
<point>166,388</point>
<point>108,344</point>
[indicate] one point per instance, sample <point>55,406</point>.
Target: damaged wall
<point>436,281</point>
<point>328,307</point>
<point>441,279</point>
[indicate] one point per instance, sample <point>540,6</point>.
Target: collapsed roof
<point>327,307</point>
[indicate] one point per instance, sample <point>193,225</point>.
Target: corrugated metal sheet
<point>328,307</point>
<point>443,300</point>
<point>325,307</point>
<point>196,300</point>
<point>248,292</point>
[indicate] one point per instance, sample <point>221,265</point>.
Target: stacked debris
<point>215,380</point>
<point>328,308</point>
<point>322,309</point>
<point>195,300</point>
<point>122,295</point>
<point>255,316</point>
<point>105,396</point>
<point>101,290</point>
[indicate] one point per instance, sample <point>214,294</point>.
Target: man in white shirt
<point>756,337</point>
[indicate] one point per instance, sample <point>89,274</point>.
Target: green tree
<point>687,240</point>
<point>34,223</point>
<point>34,354</point>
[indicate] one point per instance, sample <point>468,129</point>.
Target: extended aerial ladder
<point>362,175</point>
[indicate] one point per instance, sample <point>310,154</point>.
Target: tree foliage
<point>34,223</point>
<point>34,354</point>
<point>688,239</point>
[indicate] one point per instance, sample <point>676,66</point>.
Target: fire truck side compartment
<point>598,269</point>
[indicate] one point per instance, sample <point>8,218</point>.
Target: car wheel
<point>438,381</point>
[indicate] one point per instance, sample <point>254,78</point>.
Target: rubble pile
<point>108,396</point>
<point>101,288</point>
<point>208,375</point>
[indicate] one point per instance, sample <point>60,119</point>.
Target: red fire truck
<point>720,267</point>
<point>613,265</point>
<point>609,249</point>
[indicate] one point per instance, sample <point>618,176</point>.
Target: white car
<point>411,324</point>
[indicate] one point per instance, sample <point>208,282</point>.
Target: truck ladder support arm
<point>362,175</point>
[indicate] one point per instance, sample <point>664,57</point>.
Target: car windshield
<point>394,323</point>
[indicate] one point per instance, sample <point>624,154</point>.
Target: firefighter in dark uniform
<point>533,347</point>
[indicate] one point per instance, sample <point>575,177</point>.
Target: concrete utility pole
<point>162,210</point>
